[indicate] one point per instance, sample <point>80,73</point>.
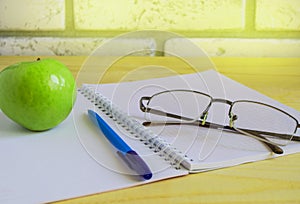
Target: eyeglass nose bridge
<point>221,100</point>
<point>232,117</point>
<point>217,100</point>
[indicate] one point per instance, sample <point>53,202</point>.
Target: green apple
<point>38,95</point>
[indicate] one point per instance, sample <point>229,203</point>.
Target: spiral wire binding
<point>149,138</point>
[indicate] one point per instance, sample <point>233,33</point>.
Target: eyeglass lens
<point>189,104</point>
<point>265,120</point>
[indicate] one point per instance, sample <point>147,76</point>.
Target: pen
<point>128,155</point>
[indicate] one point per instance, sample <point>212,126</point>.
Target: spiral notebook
<point>74,159</point>
<point>180,146</point>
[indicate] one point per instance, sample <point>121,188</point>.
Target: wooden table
<point>269,181</point>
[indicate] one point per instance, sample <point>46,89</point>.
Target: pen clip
<point>136,163</point>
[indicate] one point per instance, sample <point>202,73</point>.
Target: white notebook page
<point>71,160</point>
<point>207,148</point>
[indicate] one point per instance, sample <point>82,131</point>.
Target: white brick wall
<point>227,47</point>
<point>32,15</point>
<point>145,14</point>
<point>258,28</point>
<point>74,46</point>
<point>278,15</point>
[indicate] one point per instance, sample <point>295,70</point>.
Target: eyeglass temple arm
<point>171,115</point>
<point>276,149</point>
<point>208,124</point>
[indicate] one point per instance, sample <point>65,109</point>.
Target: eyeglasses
<point>263,122</point>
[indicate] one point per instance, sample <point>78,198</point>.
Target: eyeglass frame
<point>203,123</point>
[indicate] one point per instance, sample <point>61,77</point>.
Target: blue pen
<point>130,157</point>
